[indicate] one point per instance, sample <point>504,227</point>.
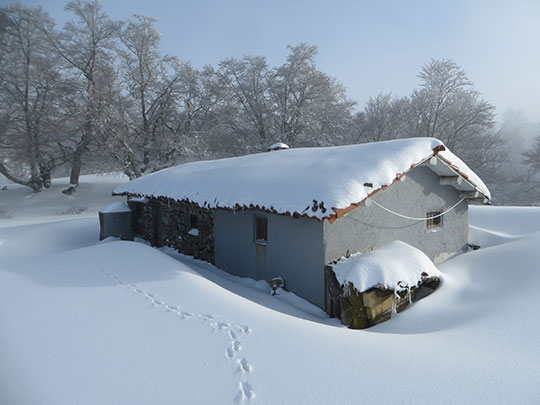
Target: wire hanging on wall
<point>413,218</point>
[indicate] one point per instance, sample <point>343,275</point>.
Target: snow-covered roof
<point>393,263</point>
<point>318,183</point>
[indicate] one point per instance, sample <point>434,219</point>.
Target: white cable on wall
<point>413,218</point>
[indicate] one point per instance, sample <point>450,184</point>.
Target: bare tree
<point>295,85</point>
<point>294,103</point>
<point>245,85</point>
<point>382,116</point>
<point>31,94</point>
<point>446,106</point>
<point>308,106</point>
<point>115,132</point>
<point>329,117</point>
<point>85,44</point>
<point>531,156</point>
<point>192,115</point>
<point>142,67</point>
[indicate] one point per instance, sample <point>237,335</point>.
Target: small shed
<point>116,220</point>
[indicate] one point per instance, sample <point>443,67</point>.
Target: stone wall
<point>166,222</point>
<point>142,220</point>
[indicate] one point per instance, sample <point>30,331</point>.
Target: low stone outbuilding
<point>369,288</point>
<point>289,213</point>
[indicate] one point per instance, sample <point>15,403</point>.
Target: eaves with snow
<point>321,183</point>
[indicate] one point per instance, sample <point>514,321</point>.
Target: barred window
<point>434,219</point>
<point>261,230</point>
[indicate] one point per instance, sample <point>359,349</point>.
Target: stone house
<point>289,213</point>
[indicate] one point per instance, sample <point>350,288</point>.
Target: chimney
<point>277,146</point>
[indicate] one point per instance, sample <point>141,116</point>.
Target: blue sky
<point>369,46</point>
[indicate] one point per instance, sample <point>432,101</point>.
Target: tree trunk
<point>76,165</point>
<point>36,186</point>
<point>87,132</point>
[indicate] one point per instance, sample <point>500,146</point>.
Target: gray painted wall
<point>294,251</point>
<point>367,228</point>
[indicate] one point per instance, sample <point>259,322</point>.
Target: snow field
<point>19,205</point>
<point>83,321</point>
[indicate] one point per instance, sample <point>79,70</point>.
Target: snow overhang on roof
<point>320,183</point>
<point>391,266</point>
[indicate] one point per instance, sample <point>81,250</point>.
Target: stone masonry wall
<point>142,220</point>
<point>172,221</point>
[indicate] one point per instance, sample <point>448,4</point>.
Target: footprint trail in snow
<point>235,334</point>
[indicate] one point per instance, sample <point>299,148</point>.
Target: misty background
<point>88,86</point>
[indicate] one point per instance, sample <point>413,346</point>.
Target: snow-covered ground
<point>86,322</point>
<point>19,205</point>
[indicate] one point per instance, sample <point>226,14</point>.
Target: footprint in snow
<point>244,329</point>
<point>246,392</point>
<point>244,365</point>
<point>220,326</point>
<point>206,317</point>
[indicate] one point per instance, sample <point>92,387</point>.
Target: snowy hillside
<point>86,322</point>
<point>19,205</point>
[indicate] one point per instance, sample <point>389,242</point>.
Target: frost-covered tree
<point>31,98</point>
<point>294,103</point>
<point>308,106</point>
<point>382,118</point>
<point>531,157</point>
<point>167,103</point>
<point>447,106</point>
<point>244,85</point>
<point>294,88</point>
<point>193,115</point>
<point>143,70</point>
<point>85,45</point>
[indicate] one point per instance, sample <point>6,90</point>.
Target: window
<point>261,230</point>
<point>434,219</point>
<point>194,225</point>
<point>193,221</point>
